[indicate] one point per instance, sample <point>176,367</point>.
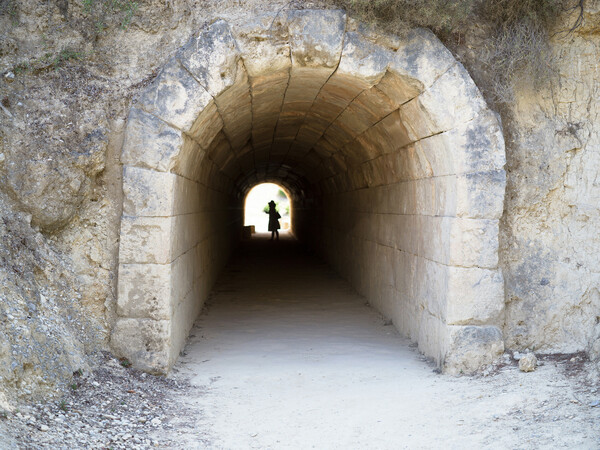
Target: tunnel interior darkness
<point>392,160</point>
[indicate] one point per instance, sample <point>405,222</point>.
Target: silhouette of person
<point>273,220</point>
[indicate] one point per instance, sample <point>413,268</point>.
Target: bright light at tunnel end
<point>258,199</point>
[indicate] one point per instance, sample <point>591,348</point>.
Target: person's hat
<point>271,203</point>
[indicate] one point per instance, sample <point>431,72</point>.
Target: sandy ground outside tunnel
<point>287,355</point>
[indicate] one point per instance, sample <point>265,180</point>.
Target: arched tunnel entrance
<point>393,162</point>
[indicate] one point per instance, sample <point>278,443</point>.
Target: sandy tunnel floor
<point>287,355</point>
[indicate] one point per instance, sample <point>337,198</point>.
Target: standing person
<point>273,220</point>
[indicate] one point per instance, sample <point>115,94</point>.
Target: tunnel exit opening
<point>391,158</point>
<point>256,207</point>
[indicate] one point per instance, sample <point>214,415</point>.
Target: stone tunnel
<point>392,159</point>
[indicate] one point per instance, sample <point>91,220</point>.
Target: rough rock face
<point>45,336</point>
<point>552,212</point>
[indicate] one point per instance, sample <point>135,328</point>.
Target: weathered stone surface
<point>472,348</point>
<point>144,291</point>
<point>146,240</point>
<point>447,240</point>
<point>50,179</point>
<point>481,145</point>
<point>175,96</point>
<point>363,60</point>
<point>144,342</point>
<point>263,44</point>
<point>235,108</point>
<point>449,102</point>
<point>481,195</point>
<point>208,124</point>
<point>421,57</point>
<point>473,242</point>
<point>212,58</point>
<point>147,192</point>
<point>316,37</point>
<point>475,296</point>
<point>550,237</point>
<point>150,143</point>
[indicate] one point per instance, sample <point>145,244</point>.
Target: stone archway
<point>391,156</point>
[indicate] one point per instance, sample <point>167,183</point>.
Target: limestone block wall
<point>389,152</point>
<point>169,259</point>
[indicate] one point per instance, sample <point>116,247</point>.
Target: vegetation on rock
<point>517,31</point>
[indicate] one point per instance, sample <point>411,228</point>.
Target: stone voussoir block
<point>150,143</point>
<point>476,146</point>
<point>363,60</point>
<point>175,96</point>
<point>144,342</point>
<point>144,291</point>
<point>263,44</point>
<point>453,99</point>
<point>316,37</point>
<point>212,57</point>
<point>482,143</point>
<point>470,349</point>
<point>421,57</point>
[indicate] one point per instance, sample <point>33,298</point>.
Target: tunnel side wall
<point>168,264</point>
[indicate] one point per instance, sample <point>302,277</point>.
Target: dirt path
<point>288,356</point>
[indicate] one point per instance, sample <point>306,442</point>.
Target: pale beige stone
<point>475,146</point>
<point>471,348</point>
<point>175,96</point>
<point>263,44</point>
<point>421,57</point>
<point>147,192</point>
<point>363,60</point>
<point>235,108</point>
<point>149,142</point>
<point>144,342</point>
<point>146,240</point>
<point>144,291</point>
<point>474,296</point>
<point>528,363</point>
<point>316,37</point>
<point>212,58</point>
